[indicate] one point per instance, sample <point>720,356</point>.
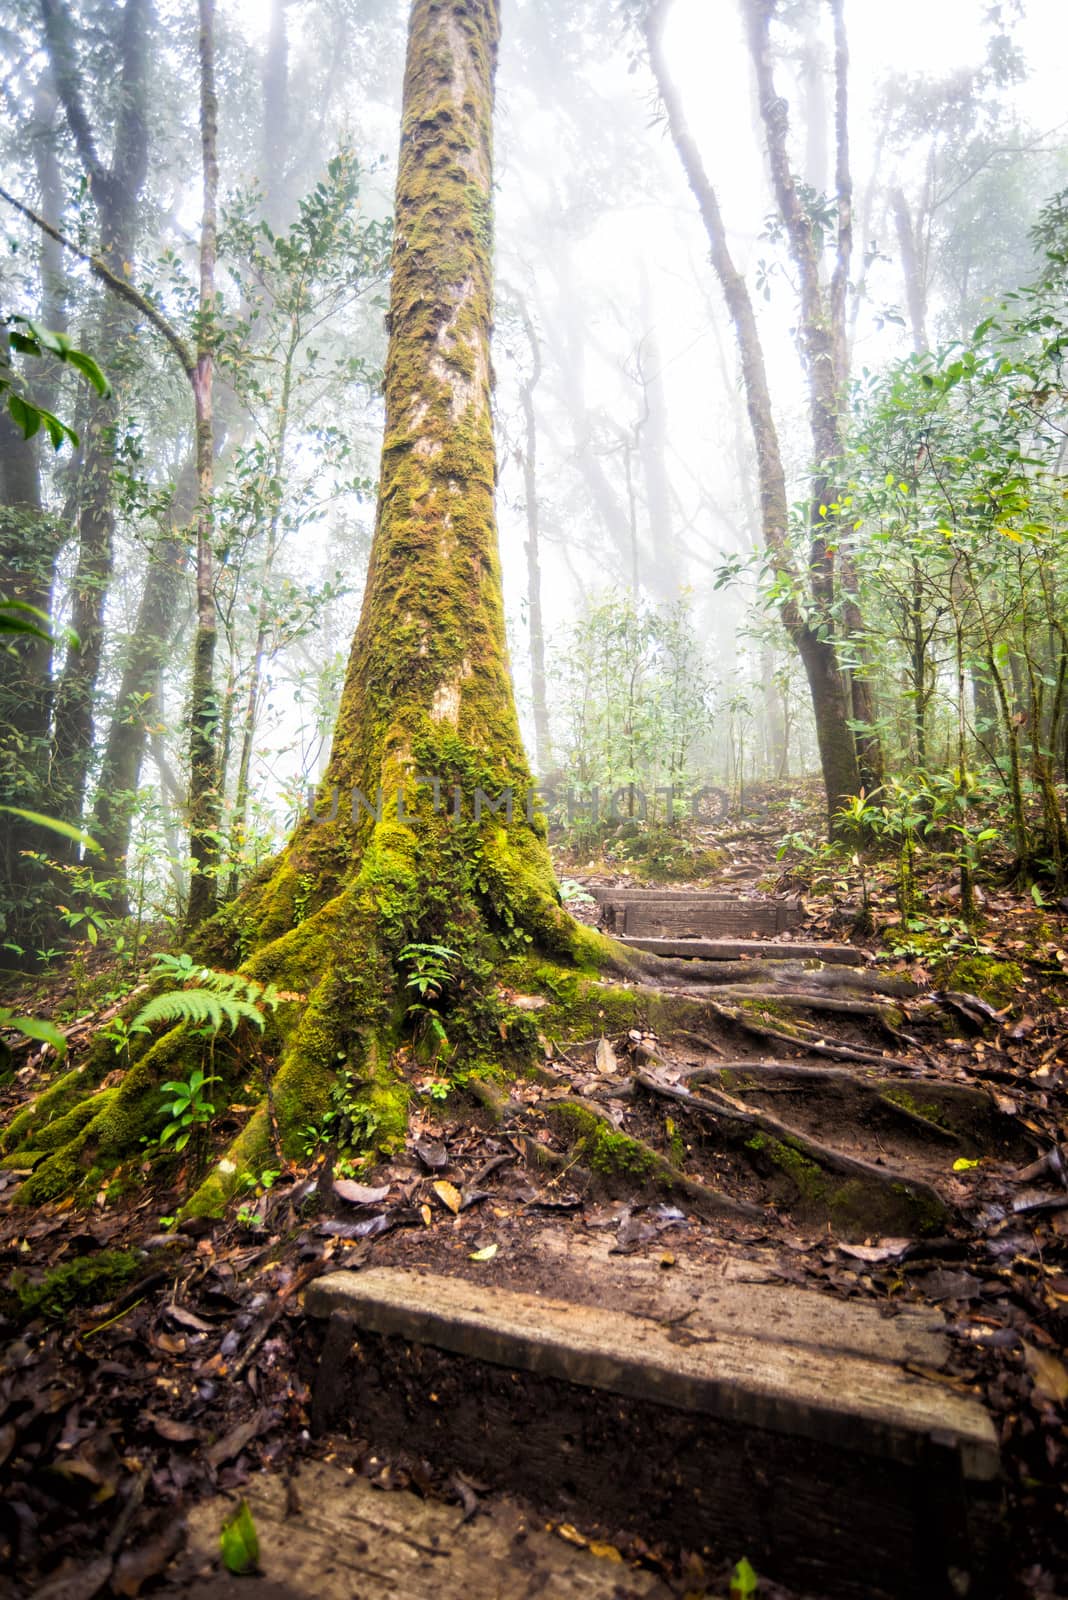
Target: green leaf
<point>743,1581</point>
<point>89,369</point>
<point>35,1028</point>
<point>963,1164</point>
<point>25,416</point>
<point>1036,896</point>
<point>239,1542</point>
<point>18,617</point>
<point>55,826</point>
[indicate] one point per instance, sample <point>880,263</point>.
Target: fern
<point>213,1000</point>
<point>203,1007</point>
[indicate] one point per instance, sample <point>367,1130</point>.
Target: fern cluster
<point>211,1000</point>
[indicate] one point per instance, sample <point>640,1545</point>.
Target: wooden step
<point>656,913</point>
<point>330,1536</point>
<point>843,1473</point>
<point>740,949</point>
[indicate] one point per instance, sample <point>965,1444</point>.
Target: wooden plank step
<point>738,949</point>
<point>839,1472</point>
<point>332,1536</point>
<point>654,913</point>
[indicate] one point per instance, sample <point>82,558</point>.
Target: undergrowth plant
<point>209,1000</point>
<point>189,1107</point>
<point>429,975</point>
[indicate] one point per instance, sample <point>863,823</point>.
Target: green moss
<point>901,1097</point>
<point>120,1120</point>
<point>84,1281</point>
<point>608,1153</point>
<point>997,982</point>
<point>808,1178</point>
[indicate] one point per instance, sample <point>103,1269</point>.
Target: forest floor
<point>184,1367</point>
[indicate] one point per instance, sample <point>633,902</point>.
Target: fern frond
<point>202,1007</point>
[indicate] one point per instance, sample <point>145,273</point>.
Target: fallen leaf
<point>231,1444</point>
<point>135,1567</point>
<point>434,1157</point>
<point>239,1542</point>
<point>188,1319</point>
<point>1049,1372</point>
<point>448,1194</point>
<point>172,1430</point>
<point>963,1164</point>
<point>487,1253</point>
<point>607,1552</point>
<point>359,1194</point>
<point>424,1212</point>
<point>605,1057</point>
<point>889,1250</point>
<point>367,1229</point>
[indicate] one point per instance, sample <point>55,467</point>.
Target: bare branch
<point>118,285</point>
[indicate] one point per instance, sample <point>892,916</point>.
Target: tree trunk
<point>915,289</point>
<point>120,765</point>
<point>427,697</point>
<point>830,702</point>
<point>116,193</point>
<point>542,747</point>
<point>205,799</point>
<point>30,542</point>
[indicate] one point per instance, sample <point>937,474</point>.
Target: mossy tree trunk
<point>427,732</point>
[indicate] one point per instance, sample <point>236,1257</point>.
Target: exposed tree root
<point>800,1037</point>
<point>614,1155</point>
<point>866,1094</point>
<point>827,1180</point>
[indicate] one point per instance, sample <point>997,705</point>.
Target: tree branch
<point>119,286</point>
<point>65,72</point>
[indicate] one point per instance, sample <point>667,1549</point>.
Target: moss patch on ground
<point>997,982</point>
<point>84,1281</point>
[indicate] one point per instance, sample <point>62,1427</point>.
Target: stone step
<point>655,913</point>
<point>740,949</point>
<point>329,1535</point>
<point>841,1472</point>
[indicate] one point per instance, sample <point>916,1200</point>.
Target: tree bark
<point>116,190</point>
<point>124,748</point>
<point>205,799</point>
<point>542,743</point>
<point>30,542</point>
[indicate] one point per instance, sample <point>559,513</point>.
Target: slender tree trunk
<point>120,765</point>
<point>542,745</point>
<point>30,542</point>
<point>915,291</point>
<point>277,143</point>
<point>116,191</point>
<point>815,643</point>
<point>205,800</point>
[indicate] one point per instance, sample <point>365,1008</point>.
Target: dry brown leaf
<point>448,1194</point>
<point>1049,1372</point>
